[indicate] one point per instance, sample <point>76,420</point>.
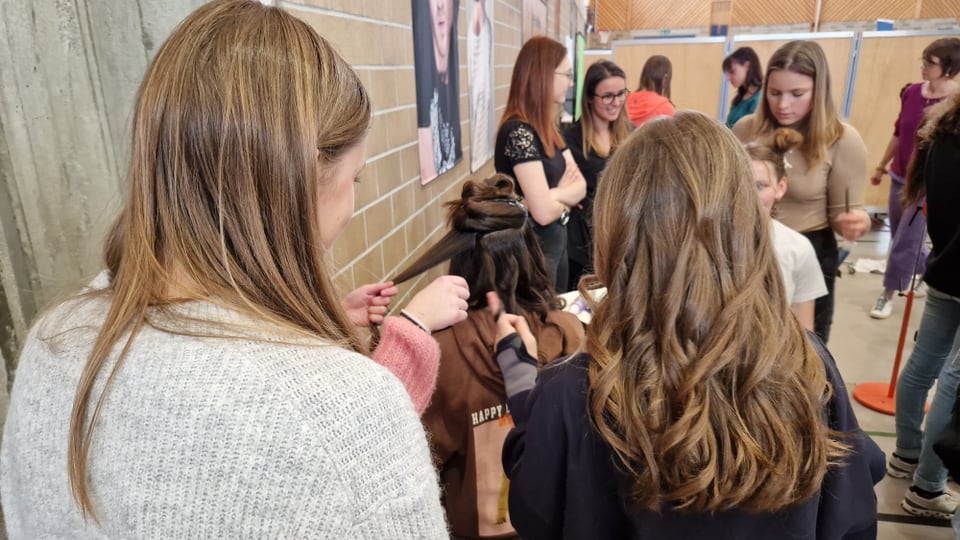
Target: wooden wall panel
<point>939,9</point>
<point>612,14</point>
<point>647,14</point>
<point>837,51</point>
<point>589,57</point>
<point>697,74</point>
<point>860,10</point>
<point>757,12</point>
<point>655,14</point>
<point>886,64</point>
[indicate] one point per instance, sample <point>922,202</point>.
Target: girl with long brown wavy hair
<point>530,150</point>
<point>701,408</point>
<point>209,383</point>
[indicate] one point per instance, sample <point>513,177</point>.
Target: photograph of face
<point>438,90</point>
<point>480,79</point>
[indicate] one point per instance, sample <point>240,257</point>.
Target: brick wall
<point>396,218</point>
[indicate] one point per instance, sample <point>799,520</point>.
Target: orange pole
<point>903,338</point>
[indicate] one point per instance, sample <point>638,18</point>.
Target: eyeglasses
<point>567,74</point>
<point>929,63</point>
<point>608,99</point>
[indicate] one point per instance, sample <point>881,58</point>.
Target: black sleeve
<point>848,504</point>
<point>521,144</point>
<point>537,471</point>
<point>423,61</point>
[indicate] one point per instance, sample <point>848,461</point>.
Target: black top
<point>943,218</point>
<point>564,484</point>
<point>580,227</point>
<point>438,103</point>
<point>518,142</point>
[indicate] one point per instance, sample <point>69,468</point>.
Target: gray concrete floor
<point>865,350</point>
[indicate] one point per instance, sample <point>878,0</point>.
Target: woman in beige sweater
<point>826,175</point>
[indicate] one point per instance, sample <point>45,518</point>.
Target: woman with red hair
<point>530,149</point>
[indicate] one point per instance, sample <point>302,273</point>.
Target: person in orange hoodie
<point>652,97</point>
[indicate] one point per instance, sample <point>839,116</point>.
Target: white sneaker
<point>898,467</point>
<point>920,290</point>
<point>942,506</point>
<point>883,308</point>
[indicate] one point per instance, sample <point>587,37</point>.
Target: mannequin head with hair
<point>491,245</point>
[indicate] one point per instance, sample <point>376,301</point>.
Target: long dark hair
<point>656,75</point>
<point>491,245</point>
<point>754,72</point>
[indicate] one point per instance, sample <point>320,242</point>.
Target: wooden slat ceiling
<point>856,10</point>
<point>654,14</point>
<point>612,14</point>
<point>939,9</point>
<point>673,14</point>
<point>757,12</point>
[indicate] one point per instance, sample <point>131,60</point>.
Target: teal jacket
<point>743,108</point>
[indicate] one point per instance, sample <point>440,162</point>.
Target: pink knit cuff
<point>412,356</point>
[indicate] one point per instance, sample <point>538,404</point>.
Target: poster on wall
<point>534,19</point>
<point>480,75</point>
<point>436,69</point>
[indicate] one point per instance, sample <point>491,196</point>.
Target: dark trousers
<point>553,242</point>
<point>828,255</point>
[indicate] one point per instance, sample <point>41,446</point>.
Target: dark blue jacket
<point>564,484</point>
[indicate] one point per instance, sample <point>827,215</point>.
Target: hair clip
<point>786,164</point>
<point>516,203</point>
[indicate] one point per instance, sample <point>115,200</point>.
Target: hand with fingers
<point>853,224</point>
<point>367,305</point>
<point>516,348</point>
<point>440,304</point>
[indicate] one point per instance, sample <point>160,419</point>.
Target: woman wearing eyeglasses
<point>603,125</point>
<point>940,64</point>
<point>530,149</point>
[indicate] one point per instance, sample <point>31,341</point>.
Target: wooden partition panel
<point>887,62</point>
<point>589,57</point>
<point>837,50</point>
<point>697,69</point>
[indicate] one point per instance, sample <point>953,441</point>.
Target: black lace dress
<point>518,142</point>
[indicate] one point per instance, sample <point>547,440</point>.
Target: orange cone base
<point>874,395</point>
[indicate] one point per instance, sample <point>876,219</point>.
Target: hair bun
<point>487,205</point>
<point>786,139</point>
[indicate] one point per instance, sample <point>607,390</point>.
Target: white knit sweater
<point>216,438</point>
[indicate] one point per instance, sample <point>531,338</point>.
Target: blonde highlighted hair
<point>238,124</point>
<point>821,127</point>
<point>703,384</point>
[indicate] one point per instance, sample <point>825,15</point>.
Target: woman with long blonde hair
<point>701,408</point>
<point>827,172</point>
<point>209,383</point>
